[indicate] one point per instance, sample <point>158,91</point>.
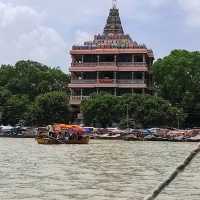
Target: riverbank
<point>153,134</point>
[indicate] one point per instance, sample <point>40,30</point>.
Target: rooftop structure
<point>111,63</point>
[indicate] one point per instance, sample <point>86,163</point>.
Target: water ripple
<point>102,170</point>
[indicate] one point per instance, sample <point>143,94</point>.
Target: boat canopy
<point>66,127</point>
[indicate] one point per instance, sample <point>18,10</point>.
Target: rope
<point>178,170</point>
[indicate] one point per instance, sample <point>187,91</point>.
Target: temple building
<point>111,63</point>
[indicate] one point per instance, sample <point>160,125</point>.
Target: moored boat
<point>50,141</point>
<point>62,134</point>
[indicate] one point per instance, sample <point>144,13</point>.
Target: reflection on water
<point>103,170</point>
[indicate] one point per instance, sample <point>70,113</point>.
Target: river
<point>103,170</point>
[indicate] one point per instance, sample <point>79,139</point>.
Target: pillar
<point>98,59</point>
<point>144,60</point>
<point>81,93</point>
<point>132,77</point>
<point>133,58</point>
<point>82,58</point>
<point>115,59</point>
<point>73,60</point>
<point>115,91</point>
<point>97,77</point>
<point>143,91</point>
<point>143,76</point>
<point>115,77</point>
<point>132,90</point>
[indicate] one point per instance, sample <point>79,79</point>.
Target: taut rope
<point>178,170</point>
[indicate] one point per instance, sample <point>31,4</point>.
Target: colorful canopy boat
<point>62,134</point>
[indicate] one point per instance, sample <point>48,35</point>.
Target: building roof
<point>113,36</point>
<point>113,24</point>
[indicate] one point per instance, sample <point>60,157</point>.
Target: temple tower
<point>111,63</point>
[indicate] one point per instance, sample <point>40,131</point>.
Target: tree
<point>143,111</point>
<point>177,79</point>
<point>101,110</point>
<point>50,108</point>
<point>32,78</point>
<point>13,111</point>
<point>22,83</point>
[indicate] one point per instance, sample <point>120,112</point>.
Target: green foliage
<point>20,86</point>
<point>177,79</point>
<point>50,108</point>
<point>15,109</point>
<point>32,78</point>
<point>100,110</point>
<point>141,111</point>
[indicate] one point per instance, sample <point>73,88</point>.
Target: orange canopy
<point>59,127</point>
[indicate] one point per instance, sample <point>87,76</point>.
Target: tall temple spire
<point>113,24</point>
<point>114,4</point>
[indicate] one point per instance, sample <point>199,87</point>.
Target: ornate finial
<point>114,3</point>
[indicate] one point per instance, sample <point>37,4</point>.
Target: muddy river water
<point>102,170</point>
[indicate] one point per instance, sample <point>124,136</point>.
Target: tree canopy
<point>48,108</point>
<point>142,111</point>
<point>32,78</point>
<point>177,79</point>
<point>28,84</point>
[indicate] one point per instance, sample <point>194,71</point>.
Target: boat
<point>46,140</point>
<point>62,134</point>
<point>108,137</point>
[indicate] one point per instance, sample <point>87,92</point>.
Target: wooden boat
<point>46,140</point>
<point>108,137</point>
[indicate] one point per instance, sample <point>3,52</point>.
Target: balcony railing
<point>128,81</point>
<point>79,81</point>
<point>76,100</point>
<point>122,64</point>
<point>109,81</point>
<point>114,64</point>
<point>106,64</point>
<point>85,64</point>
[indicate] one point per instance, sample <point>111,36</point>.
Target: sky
<point>45,30</point>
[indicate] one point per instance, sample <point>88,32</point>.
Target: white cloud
<point>24,35</point>
<point>192,11</point>
<point>82,36</point>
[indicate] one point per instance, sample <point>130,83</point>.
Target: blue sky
<point>45,30</point>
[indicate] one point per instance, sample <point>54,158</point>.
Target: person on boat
<point>66,136</point>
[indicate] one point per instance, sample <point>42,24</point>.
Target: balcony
<point>113,64</point>
<point>76,100</point>
<point>134,81</point>
<point>110,83</point>
<point>127,64</point>
<point>84,81</point>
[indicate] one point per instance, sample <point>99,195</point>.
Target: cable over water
<point>178,170</point>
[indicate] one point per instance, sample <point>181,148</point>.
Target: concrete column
<point>97,90</point>
<point>81,75</point>
<point>97,77</point>
<point>115,77</point>
<point>133,58</point>
<point>81,93</point>
<point>143,91</point>
<point>98,59</point>
<point>115,58</point>
<point>132,90</point>
<point>144,60</point>
<point>132,76</point>
<point>82,58</point>
<point>143,76</point>
<point>115,91</point>
<point>73,60</point>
